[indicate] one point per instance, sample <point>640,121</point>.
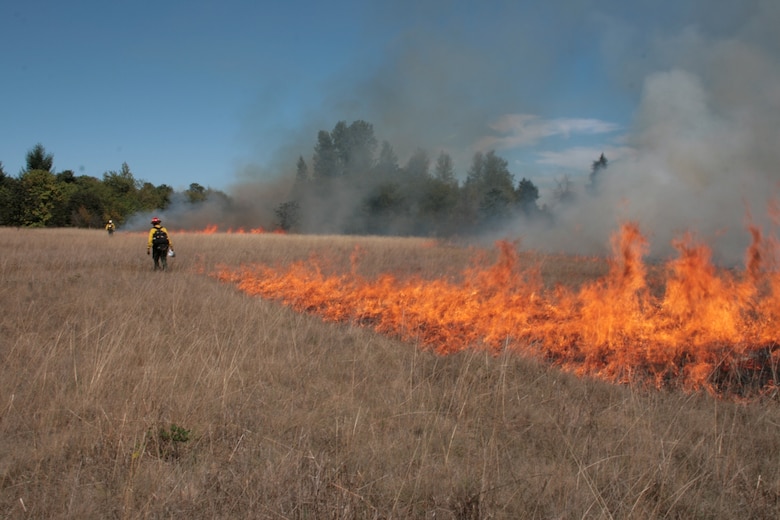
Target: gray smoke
<point>704,141</point>
<point>703,77</point>
<point>701,151</point>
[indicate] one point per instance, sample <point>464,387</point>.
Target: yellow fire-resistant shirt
<point>151,234</point>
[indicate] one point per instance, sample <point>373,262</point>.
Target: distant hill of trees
<point>350,184</point>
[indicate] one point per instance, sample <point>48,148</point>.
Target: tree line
<point>350,184</point>
<point>40,197</point>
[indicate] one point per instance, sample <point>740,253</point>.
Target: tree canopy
<point>363,190</point>
<point>39,197</point>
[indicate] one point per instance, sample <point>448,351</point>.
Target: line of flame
<point>704,329</point>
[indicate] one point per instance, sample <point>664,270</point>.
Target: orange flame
<point>212,229</point>
<point>704,328</point>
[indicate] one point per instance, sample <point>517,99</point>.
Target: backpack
<point>160,240</point>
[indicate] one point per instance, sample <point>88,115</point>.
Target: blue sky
<point>223,93</point>
<point>210,92</point>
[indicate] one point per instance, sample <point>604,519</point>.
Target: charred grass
<point>132,394</point>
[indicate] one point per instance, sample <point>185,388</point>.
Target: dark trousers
<point>160,257</point>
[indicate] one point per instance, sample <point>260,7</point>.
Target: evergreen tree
<point>383,203</point>
<point>355,146</point>
<point>594,178</point>
<point>326,157</point>
<point>386,167</point>
<point>467,210</point>
<point>440,198</point>
<point>302,183</point>
<point>418,166</point>
<point>476,172</point>
<point>38,159</point>
<point>494,206</point>
<point>301,171</point>
<point>444,170</point>
<point>526,195</point>
<point>497,176</point>
<point>489,190</point>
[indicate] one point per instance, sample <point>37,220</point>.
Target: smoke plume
<point>695,85</point>
<point>703,141</point>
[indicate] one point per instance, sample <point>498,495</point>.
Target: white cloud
<point>521,130</point>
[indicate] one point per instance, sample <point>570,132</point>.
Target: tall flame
<point>704,328</point>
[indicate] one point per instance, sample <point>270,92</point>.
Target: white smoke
<point>702,76</point>
<point>704,141</point>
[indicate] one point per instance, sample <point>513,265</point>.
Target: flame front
<point>704,328</point>
<point>213,229</point>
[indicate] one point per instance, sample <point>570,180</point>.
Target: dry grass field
<point>132,394</point>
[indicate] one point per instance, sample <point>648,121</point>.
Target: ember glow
<point>696,328</point>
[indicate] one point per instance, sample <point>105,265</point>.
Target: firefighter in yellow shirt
<point>158,244</point>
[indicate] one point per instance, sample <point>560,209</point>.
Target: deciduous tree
<point>10,200</point>
<point>41,194</point>
<point>196,193</point>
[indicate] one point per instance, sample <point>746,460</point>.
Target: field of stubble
<point>131,394</point>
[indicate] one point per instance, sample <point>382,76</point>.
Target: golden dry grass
<point>103,361</point>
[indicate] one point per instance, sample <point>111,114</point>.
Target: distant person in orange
<point>110,227</point>
<point>158,244</point>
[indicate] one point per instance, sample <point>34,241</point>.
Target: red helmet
<point>155,221</point>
